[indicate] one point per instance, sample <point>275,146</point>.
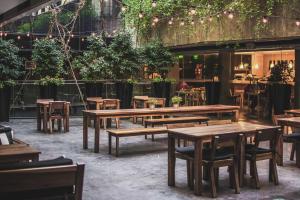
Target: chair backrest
<point>218,122</point>
<point>230,141</point>
<point>42,100</point>
<point>111,103</point>
<point>38,180</point>
<point>271,136</point>
<point>57,107</point>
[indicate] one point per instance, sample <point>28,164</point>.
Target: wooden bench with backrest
<point>117,133</point>
<point>52,179</point>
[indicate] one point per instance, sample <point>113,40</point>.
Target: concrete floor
<point>141,170</point>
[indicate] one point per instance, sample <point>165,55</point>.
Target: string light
<point>230,15</point>
<point>265,20</point>
<point>72,35</point>
<point>154,4</point>
<point>82,39</point>
<point>93,34</point>
<point>155,19</point>
<point>210,19</point>
<point>170,22</point>
<point>28,34</point>
<point>181,23</point>
<point>19,37</point>
<point>1,34</point>
<point>153,24</point>
<point>141,15</point>
<point>50,36</point>
<point>297,23</point>
<point>193,11</point>
<point>202,21</point>
<point>5,34</point>
<point>123,8</point>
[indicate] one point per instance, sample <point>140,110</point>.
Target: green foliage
<point>49,58</point>
<point>93,63</point>
<point>167,9</point>
<point>176,100</point>
<point>152,101</point>
<point>157,58</point>
<point>50,81</point>
<point>11,65</point>
<point>123,57</point>
<point>281,73</point>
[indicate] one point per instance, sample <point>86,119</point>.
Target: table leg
<point>45,120</point>
<point>236,116</point>
<point>134,107</point>
<point>171,160</point>
<point>242,160</point>
<point>297,148</point>
<point>97,134</point>
<point>198,167</point>
<point>85,131</point>
<point>68,118</point>
<point>279,157</point>
<point>38,117</point>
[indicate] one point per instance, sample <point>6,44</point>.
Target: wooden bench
<point>117,133</point>
<point>174,120</point>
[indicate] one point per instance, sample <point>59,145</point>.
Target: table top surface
<point>289,119</point>
<point>207,131</point>
<point>99,99</point>
<point>141,98</point>
<point>207,108</point>
<point>18,150</point>
<point>293,111</point>
<point>46,103</point>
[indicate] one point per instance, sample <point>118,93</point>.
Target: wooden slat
<point>177,119</point>
<point>137,131</point>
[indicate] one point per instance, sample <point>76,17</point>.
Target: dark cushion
<point>45,163</point>
<point>189,150</point>
<point>8,131</point>
<point>250,148</point>
<point>291,137</point>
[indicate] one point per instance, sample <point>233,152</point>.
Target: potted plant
<point>152,102</point>
<point>49,59</point>
<point>158,60</point>
<point>176,100</point>
<point>93,66</point>
<point>125,66</point>
<point>10,70</point>
<point>279,88</point>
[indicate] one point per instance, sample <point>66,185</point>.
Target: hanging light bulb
<point>5,34</point>
<point>154,4</point>
<point>19,37</point>
<point>28,34</point>
<point>36,39</point>
<point>193,11</point>
<point>123,8</point>
<point>153,24</point>
<point>218,16</point>
<point>170,22</point>
<point>93,34</point>
<point>1,34</point>
<point>225,12</point>
<point>192,22</point>
<point>230,15</point>
<point>265,20</point>
<point>155,19</point>
<point>181,23</point>
<point>297,23</point>
<point>72,35</point>
<point>82,39</point>
<point>202,21</point>
<point>141,15</point>
<point>210,18</point>
<point>50,36</point>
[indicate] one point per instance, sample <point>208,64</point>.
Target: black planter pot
<point>280,95</point>
<point>5,94</point>
<point>93,89</point>
<point>124,92</point>
<point>48,92</point>
<point>212,90</point>
<point>162,90</point>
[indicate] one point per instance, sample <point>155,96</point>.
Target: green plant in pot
<point>49,59</point>
<point>280,88</point>
<point>125,66</point>
<point>158,60</point>
<point>93,65</point>
<point>176,100</point>
<point>11,69</point>
<point>152,102</point>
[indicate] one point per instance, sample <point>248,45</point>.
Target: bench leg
<point>117,146</point>
<point>152,134</point>
<point>146,137</point>
<point>109,143</point>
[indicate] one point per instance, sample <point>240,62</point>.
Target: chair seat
<point>293,136</point>
<point>221,154</point>
<point>258,150</point>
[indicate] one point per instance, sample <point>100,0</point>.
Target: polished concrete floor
<point>141,170</point>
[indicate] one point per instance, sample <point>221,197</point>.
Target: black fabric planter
<point>48,92</point>
<point>212,90</point>
<point>280,95</point>
<point>93,89</point>
<point>162,90</point>
<point>124,92</point>
<point>5,94</point>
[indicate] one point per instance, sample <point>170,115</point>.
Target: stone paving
<point>141,170</point>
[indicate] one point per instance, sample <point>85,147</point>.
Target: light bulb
<point>192,22</point>
<point>19,37</point>
<point>141,15</point>
<point>28,34</point>
<point>230,15</point>
<point>265,20</point>
<point>5,34</point>
<point>170,22</point>
<point>154,4</point>
<point>50,36</point>
<point>82,39</point>
<point>193,11</point>
<point>182,23</point>
<point>93,34</point>
<point>155,19</point>
<point>210,19</point>
<point>297,23</point>
<point>123,8</point>
<point>202,21</point>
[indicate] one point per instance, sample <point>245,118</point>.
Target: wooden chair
<point>57,111</point>
<point>40,114</point>
<point>111,104</point>
<point>237,98</point>
<point>288,138</point>
<point>254,153</point>
<point>63,182</point>
<point>222,152</point>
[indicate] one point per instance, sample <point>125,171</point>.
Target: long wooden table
<point>292,122</point>
<point>44,105</point>
<point>123,113</point>
<point>18,153</point>
<point>198,135</point>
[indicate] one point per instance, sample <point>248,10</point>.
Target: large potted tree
<point>125,66</point>
<point>49,59</point>
<point>158,61</point>
<point>93,66</point>
<point>11,68</point>
<point>279,88</point>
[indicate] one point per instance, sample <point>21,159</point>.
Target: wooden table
<point>198,135</point>
<point>139,99</point>
<point>44,105</point>
<point>98,101</point>
<point>123,113</point>
<point>18,153</point>
<point>295,112</point>
<point>292,122</point>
